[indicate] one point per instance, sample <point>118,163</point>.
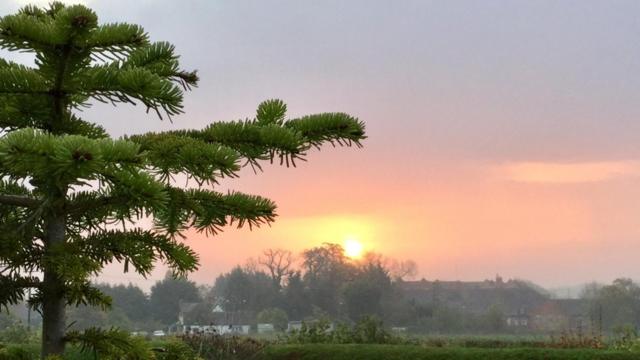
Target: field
<point>398,352</point>
<point>345,345</point>
<point>374,352</point>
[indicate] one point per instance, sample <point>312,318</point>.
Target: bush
<point>176,349</point>
<point>315,332</point>
<point>275,316</point>
<point>369,330</point>
<point>15,353</point>
<point>219,347</point>
<point>625,337</point>
<point>16,333</point>
<point>109,344</point>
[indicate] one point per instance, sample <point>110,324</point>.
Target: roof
<point>185,307</point>
<point>567,307</point>
<point>511,297</point>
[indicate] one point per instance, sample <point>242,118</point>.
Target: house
<point>192,315</point>
<point>560,315</point>
<point>185,308</point>
<point>517,321</point>
<point>265,328</point>
<point>526,307</point>
<point>513,297</point>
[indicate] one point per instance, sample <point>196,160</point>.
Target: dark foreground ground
<point>403,352</point>
<point>349,352</point>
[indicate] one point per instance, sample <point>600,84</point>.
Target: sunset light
<point>353,248</point>
<point>319,179</point>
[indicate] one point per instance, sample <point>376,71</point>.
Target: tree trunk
<point>54,303</point>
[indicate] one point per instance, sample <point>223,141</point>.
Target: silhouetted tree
<point>275,316</point>
<point>241,290</point>
<point>130,299</point>
<point>297,298</point>
<point>279,264</point>
<point>363,295</point>
<point>616,304</point>
<point>326,270</point>
<point>166,296</point>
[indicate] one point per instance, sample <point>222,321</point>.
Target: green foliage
<point>130,299</point>
<point>244,291</point>
<point>166,296</point>
<point>617,304</point>
<point>15,353</point>
<point>176,349</point>
<point>15,333</point>
<point>369,330</point>
<point>275,316</point>
<point>626,338</point>
<point>402,352</point>
<point>111,344</point>
<point>326,269</point>
<point>364,294</point>
<point>217,347</point>
<point>66,183</point>
<point>313,332</point>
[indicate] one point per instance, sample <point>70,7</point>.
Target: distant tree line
<point>614,307</point>
<point>320,283</point>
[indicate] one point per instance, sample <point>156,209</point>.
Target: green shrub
<point>275,316</point>
<point>175,349</point>
<point>219,347</point>
<point>312,333</point>
<point>15,353</point>
<point>110,344</point>
<point>16,333</point>
<point>369,330</point>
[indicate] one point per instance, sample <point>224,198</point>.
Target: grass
<point>453,350</point>
<point>401,352</point>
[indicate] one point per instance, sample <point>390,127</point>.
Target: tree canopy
<point>71,195</point>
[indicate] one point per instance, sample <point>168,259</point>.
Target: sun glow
<point>353,248</point>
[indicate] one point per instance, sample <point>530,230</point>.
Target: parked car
<point>159,333</point>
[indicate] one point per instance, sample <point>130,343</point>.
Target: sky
<point>503,136</point>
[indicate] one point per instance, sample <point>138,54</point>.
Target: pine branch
<point>173,153</point>
<point>138,248</point>
<point>13,288</point>
<point>209,211</point>
<point>117,38</point>
<point>329,127</point>
<point>19,200</point>
<point>22,80</point>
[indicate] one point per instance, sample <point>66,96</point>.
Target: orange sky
<point>555,224</point>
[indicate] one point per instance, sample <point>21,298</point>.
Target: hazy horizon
<point>502,135</point>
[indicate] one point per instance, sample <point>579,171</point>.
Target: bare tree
<point>279,264</point>
<point>251,266</point>
<point>401,269</point>
<point>398,269</point>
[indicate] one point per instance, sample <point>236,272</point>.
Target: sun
<point>352,248</point>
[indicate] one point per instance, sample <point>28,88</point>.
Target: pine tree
<point>71,195</point>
